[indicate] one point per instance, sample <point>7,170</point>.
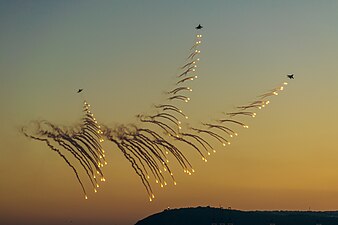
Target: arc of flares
<point>145,147</point>
<point>257,104</point>
<point>82,142</point>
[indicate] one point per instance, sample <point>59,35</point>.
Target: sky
<point>125,54</point>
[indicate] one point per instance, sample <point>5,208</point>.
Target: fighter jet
<point>79,90</point>
<point>290,76</point>
<point>198,27</point>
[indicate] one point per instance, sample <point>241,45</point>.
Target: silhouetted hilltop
<point>220,216</point>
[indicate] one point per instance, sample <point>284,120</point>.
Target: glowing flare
<point>126,133</point>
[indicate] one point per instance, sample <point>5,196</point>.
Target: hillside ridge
<point>220,216</point>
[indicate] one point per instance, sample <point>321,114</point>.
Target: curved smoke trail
<point>83,142</point>
<point>148,145</point>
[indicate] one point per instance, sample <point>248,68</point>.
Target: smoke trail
<point>82,142</point>
<point>147,146</point>
<point>257,104</point>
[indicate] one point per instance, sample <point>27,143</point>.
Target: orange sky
<point>125,55</point>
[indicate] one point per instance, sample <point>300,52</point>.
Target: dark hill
<point>220,216</point>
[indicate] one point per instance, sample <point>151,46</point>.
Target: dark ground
<point>220,216</point>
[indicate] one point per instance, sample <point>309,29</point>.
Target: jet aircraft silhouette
<point>290,76</point>
<point>199,27</point>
